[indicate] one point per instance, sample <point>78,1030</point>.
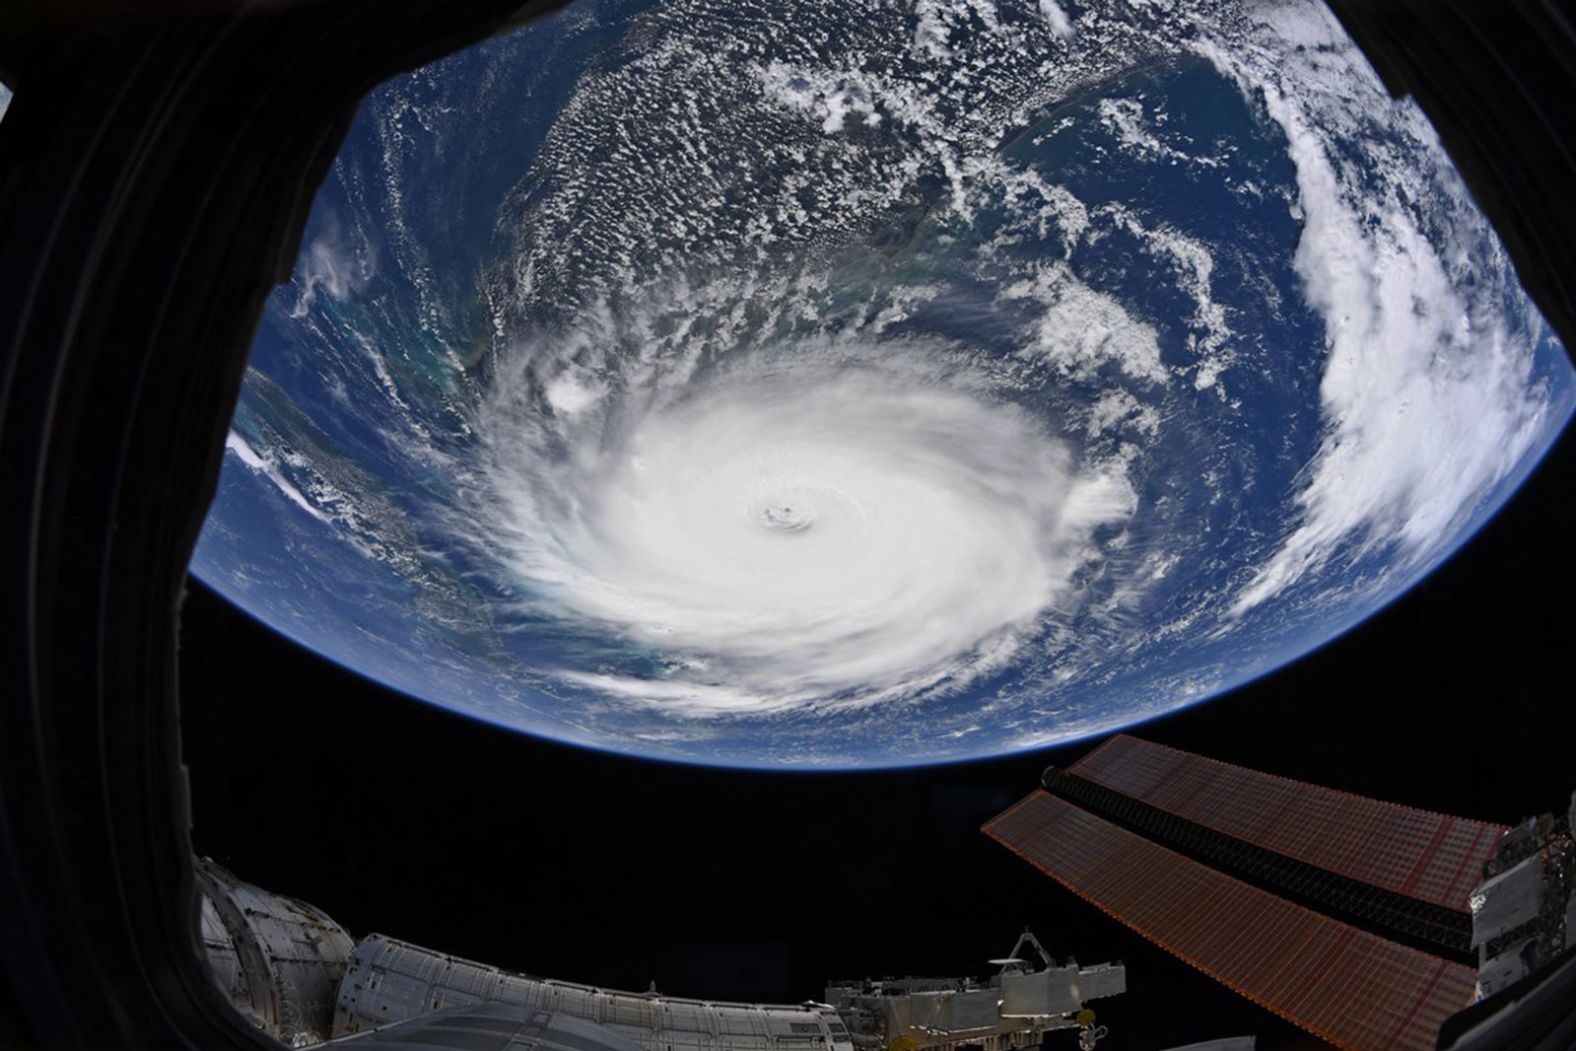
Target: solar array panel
<point>1422,855</point>
<point>1351,988</point>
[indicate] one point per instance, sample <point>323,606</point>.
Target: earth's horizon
<point>771,388</point>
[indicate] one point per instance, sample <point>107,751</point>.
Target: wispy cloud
<point>1427,392</point>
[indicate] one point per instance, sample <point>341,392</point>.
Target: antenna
<point>1017,957</point>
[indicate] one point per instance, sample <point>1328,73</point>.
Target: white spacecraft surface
<point>300,977</point>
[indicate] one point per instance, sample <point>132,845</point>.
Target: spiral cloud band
<point>794,535</point>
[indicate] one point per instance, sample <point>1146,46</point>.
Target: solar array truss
<point>1415,853</point>
<point>1343,984</point>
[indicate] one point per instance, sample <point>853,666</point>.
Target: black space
<point>395,816</point>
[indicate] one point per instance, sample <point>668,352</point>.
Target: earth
<point>782,385</point>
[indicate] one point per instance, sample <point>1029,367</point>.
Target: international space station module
<point>300,977</point>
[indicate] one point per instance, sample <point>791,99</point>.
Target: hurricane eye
<point>785,518</point>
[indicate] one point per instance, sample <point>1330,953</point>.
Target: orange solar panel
<point>1422,855</point>
<point>1351,988</point>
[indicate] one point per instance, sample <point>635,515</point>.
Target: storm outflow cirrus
<point>790,385</point>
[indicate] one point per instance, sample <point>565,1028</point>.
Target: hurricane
<point>786,386</point>
<point>808,526</point>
